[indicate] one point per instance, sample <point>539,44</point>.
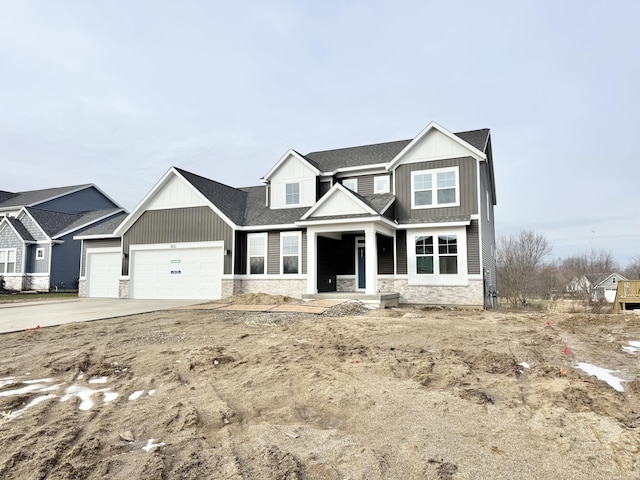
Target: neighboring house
<point>412,219</point>
<point>599,287</point>
<point>37,249</point>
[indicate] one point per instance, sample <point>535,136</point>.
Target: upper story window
<point>39,253</point>
<point>381,184</point>
<point>351,184</point>
<point>257,253</point>
<point>7,260</point>
<point>292,194</point>
<point>435,188</point>
<point>290,251</point>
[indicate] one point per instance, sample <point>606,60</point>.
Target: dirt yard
<point>349,394</point>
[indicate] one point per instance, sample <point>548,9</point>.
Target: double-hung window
<point>8,260</point>
<point>292,194</point>
<point>290,250</point>
<point>257,253</point>
<point>435,188</point>
<point>424,255</point>
<point>448,254</point>
<point>444,261</point>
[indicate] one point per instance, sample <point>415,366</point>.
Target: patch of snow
<point>32,403</point>
<point>633,347</point>
<point>98,380</point>
<point>524,365</point>
<point>151,392</point>
<point>20,391</point>
<point>6,381</point>
<point>42,380</point>
<point>150,445</point>
<point>602,374</point>
<point>85,393</point>
<point>136,395</point>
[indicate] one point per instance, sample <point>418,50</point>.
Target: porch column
<point>371,260</point>
<point>312,262</point>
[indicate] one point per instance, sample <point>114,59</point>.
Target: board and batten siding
<point>273,252</point>
<point>97,243</point>
<point>467,182</point>
<point>180,225</point>
<point>473,249</point>
<point>401,252</point>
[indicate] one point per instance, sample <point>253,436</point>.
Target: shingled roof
<point>56,223</point>
<point>21,229</point>
<point>231,201</point>
<point>34,197</point>
<point>331,160</point>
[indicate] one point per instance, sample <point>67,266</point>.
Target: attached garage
<point>177,271</point>
<point>103,271</point>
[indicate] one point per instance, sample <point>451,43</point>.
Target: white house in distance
<point>407,221</point>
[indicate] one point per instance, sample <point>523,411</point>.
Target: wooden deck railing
<point>628,292</point>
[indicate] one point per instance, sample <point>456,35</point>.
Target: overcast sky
<point>116,92</point>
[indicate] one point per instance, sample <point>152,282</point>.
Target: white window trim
<point>287,204</point>
<point>298,235</point>
<point>6,260</point>
<point>353,181</point>
<point>459,279</point>
<point>264,237</point>
<point>434,187</point>
<point>39,253</point>
<point>488,207</point>
<point>375,184</point>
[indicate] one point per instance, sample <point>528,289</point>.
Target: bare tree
<point>519,258</point>
<point>632,270</point>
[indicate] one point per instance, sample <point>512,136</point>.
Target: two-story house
<point>411,219</point>
<point>37,249</point>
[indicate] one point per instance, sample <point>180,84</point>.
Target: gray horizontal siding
<point>181,225</point>
<point>467,184</point>
<point>473,248</point>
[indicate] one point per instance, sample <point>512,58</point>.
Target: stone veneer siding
<point>470,295</point>
<point>82,288</point>
<point>294,287</point>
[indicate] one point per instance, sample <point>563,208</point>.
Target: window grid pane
<point>292,193</point>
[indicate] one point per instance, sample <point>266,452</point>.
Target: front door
<point>361,277</point>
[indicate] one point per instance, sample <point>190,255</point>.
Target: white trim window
<point>351,184</point>
<point>446,260</point>
<point>290,249</point>
<point>7,260</point>
<point>39,253</point>
<point>257,253</point>
<point>292,194</point>
<point>424,255</point>
<point>381,184</point>
<point>448,254</point>
<point>435,188</point>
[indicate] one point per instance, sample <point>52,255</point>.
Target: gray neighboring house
<point>37,249</point>
<point>410,219</point>
<point>601,287</point>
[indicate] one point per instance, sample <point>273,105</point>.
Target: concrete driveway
<point>19,316</point>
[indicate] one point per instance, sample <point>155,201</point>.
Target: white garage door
<point>103,274</point>
<point>176,273</point>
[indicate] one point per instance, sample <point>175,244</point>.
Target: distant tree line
<point>524,273</point>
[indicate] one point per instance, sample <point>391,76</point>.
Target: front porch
<point>376,300</point>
